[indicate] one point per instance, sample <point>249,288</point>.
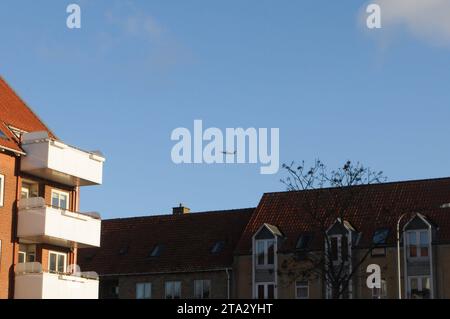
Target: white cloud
<point>134,23</point>
<point>427,20</point>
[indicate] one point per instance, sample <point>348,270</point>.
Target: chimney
<point>180,210</point>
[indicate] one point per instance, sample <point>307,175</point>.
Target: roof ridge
<point>235,210</point>
<point>366,185</point>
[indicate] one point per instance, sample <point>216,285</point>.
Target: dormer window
<point>218,247</point>
<point>418,243</point>
<point>304,241</point>
<point>265,252</point>
<point>156,251</point>
<point>339,249</point>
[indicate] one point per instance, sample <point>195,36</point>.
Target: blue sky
<point>136,70</point>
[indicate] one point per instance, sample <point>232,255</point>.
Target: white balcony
<point>38,223</point>
<point>32,283</point>
<point>59,162</point>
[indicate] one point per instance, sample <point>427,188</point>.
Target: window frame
<point>419,285</point>
<point>266,246</point>
<point>340,248</point>
<point>57,253</point>
<point>266,290</point>
<point>301,284</point>
<point>417,244</point>
<point>380,293</point>
<point>59,193</point>
<point>172,284</point>
<point>144,286</point>
<point>2,190</point>
<point>202,291</point>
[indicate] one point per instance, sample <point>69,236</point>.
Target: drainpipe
<point>227,270</point>
<point>398,257</point>
<point>15,221</point>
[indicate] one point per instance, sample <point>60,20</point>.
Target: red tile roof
<point>14,112</point>
<point>186,240</point>
<point>375,206</point>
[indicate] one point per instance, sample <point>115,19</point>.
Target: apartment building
<point>41,230</point>
<point>183,255</point>
<point>270,257</point>
<point>260,253</point>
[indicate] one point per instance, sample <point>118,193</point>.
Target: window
<point>334,248</point>
<point>144,290</point>
<point>418,243</point>
<point>2,190</point>
<point>22,257</point>
<point>304,241</point>
<point>380,236</point>
<point>60,199</point>
<point>265,291</point>
<point>302,290</point>
<point>218,247</point>
<point>156,251</point>
<point>339,249</point>
<point>265,252</point>
<point>3,136</point>
<point>420,287</point>
<point>57,262</point>
<point>173,290</point>
<point>29,190</point>
<point>380,293</point>
<point>123,250</point>
<point>344,247</point>
<point>27,253</point>
<point>202,289</point>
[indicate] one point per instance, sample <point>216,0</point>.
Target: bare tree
<point>326,198</point>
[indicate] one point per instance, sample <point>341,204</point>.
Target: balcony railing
<point>39,223</point>
<point>55,161</point>
<point>32,282</point>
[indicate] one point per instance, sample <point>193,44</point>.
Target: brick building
<point>183,255</point>
<point>40,228</point>
<point>268,258</point>
<point>157,257</point>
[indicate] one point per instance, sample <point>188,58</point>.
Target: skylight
<point>380,236</point>
<point>304,241</point>
<point>3,136</point>
<point>123,250</point>
<point>217,247</point>
<point>156,251</point>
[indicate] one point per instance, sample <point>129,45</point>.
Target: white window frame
<point>302,284</point>
<point>147,290</point>
<point>171,285</point>
<point>339,247</point>
<point>57,253</point>
<point>265,242</point>
<point>380,293</point>
<point>419,285</point>
<point>26,191</point>
<point>24,254</point>
<point>417,243</point>
<point>59,193</point>
<point>199,294</point>
<point>2,190</point>
<point>266,289</point>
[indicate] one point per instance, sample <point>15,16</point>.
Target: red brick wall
<point>9,250</point>
<point>7,168</point>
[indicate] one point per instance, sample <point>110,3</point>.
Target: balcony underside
<point>58,177</point>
